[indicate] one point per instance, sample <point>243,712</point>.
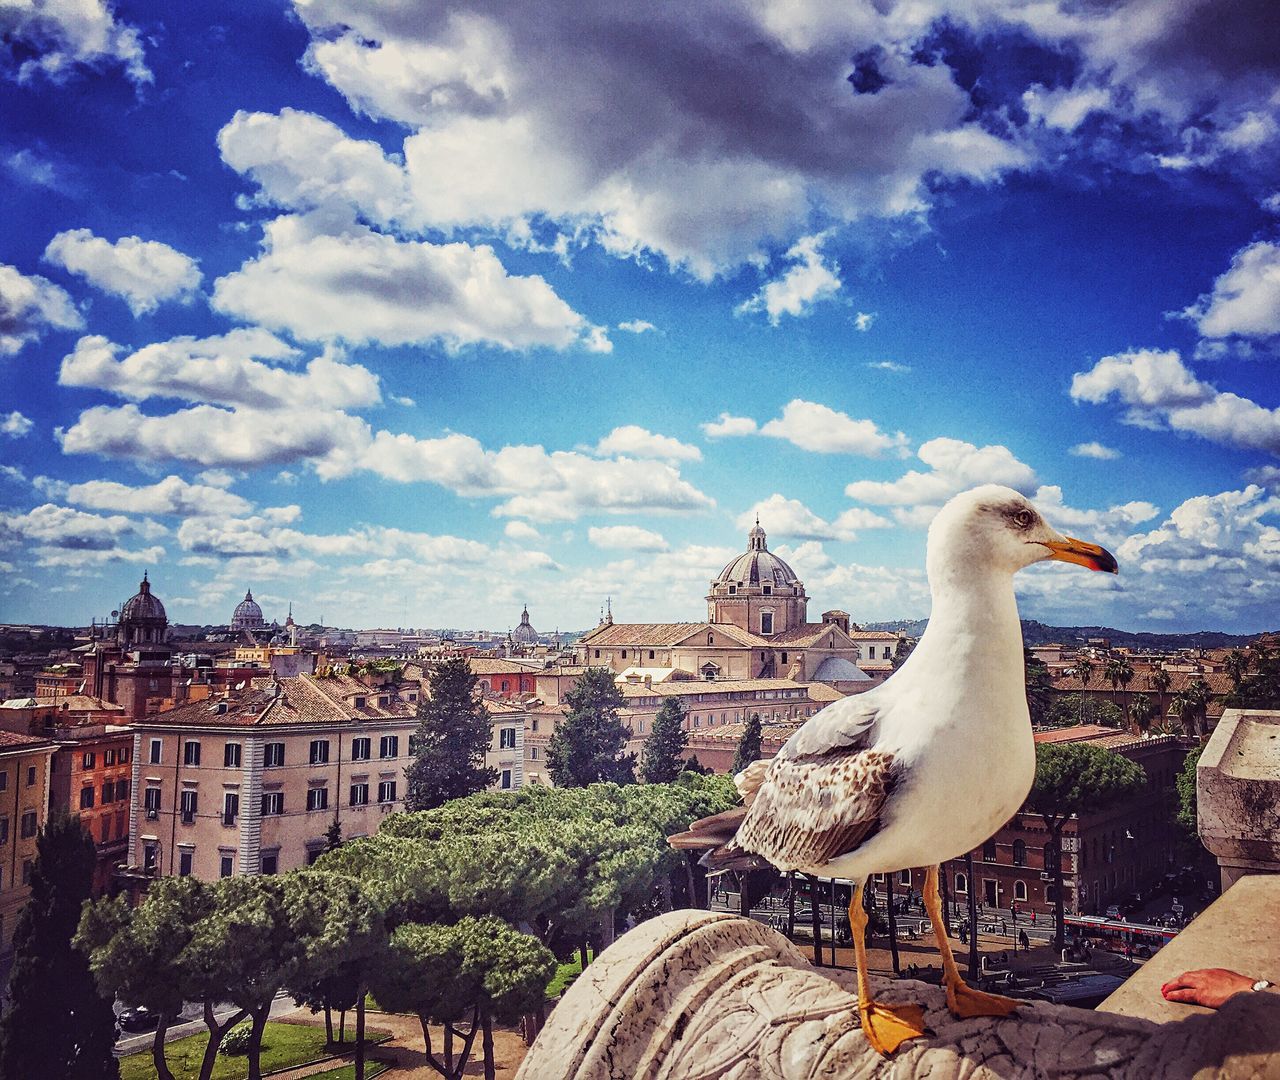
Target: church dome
<point>757,566</point>
<point>248,615</point>
<point>143,606</point>
<point>524,634</point>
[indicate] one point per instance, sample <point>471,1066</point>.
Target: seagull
<point>922,768</point>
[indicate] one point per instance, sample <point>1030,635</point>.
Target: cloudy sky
<point>411,313</point>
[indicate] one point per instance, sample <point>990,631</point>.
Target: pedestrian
<point>1023,940</point>
<point>1033,916</point>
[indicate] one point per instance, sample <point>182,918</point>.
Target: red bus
<point>1116,932</point>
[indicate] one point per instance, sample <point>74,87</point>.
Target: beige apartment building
<point>24,809</point>
<point>252,782</point>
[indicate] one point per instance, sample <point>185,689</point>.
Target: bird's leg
<point>886,1027</point>
<point>962,1000</point>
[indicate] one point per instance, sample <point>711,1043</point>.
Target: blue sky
<point>412,316</point>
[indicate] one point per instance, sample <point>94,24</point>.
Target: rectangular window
<point>231,756</point>
<point>506,738</point>
<point>125,755</point>
<point>273,755</point>
<point>156,745</point>
<point>27,866</point>
<point>29,825</point>
<point>272,803</point>
<point>387,791</point>
<point>359,703</point>
<point>150,855</point>
<point>270,863</point>
<point>191,753</point>
<point>319,751</point>
<point>230,807</point>
<point>122,789</point>
<point>189,801</point>
<point>389,746</point>
<point>106,828</point>
<point>534,724</point>
<point>904,877</point>
<point>766,622</point>
<point>4,830</point>
<point>4,781</point>
<point>361,749</point>
<point>318,798</point>
<point>86,761</point>
<point>506,778</point>
<point>359,794</point>
<point>151,801</point>
<point>86,798</point>
<point>31,776</point>
<point>108,793</point>
<point>533,753</point>
<point>226,866</point>
<point>108,757</point>
<point>185,858</point>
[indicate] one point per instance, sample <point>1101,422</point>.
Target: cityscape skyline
<point>382,321</point>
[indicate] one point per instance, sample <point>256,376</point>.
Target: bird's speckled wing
<point>847,724</point>
<point>811,809</point>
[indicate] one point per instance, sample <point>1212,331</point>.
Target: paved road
<point>193,1024</point>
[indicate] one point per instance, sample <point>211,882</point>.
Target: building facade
<point>24,809</point>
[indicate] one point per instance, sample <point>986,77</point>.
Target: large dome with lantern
<point>248,615</point>
<point>758,591</point>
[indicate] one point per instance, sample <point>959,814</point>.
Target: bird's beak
<point>1068,549</point>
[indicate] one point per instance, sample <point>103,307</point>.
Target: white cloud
<point>634,441</point>
<point>1245,300</point>
<point>30,305</point>
<point>889,365</point>
<point>221,370</point>
<point>823,430</point>
<point>521,531</point>
<point>863,320</point>
<point>144,273</point>
<point>218,478</point>
<point>790,517</point>
<point>15,425</point>
<point>954,466</point>
<point>1065,108</point>
<point>87,537</point>
<point>636,326</point>
<point>1162,392</point>
<point>1111,524</point>
<point>626,538</point>
<point>321,279</point>
<point>1094,450</point>
<point>809,279</point>
<point>172,496</point>
<point>66,34</point>
<point>726,426</point>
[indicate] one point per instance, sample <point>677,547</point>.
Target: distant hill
<point>1038,633</point>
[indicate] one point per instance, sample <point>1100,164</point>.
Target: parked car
<point>1113,912</point>
<point>138,1018</point>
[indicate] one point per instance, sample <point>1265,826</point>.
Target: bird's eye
<point>1024,519</point>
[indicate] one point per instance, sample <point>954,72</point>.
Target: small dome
<point>248,615</point>
<point>524,634</point>
<point>757,566</point>
<point>143,606</point>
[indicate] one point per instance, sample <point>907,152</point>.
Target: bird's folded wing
<point>811,810</point>
<point>847,724</point>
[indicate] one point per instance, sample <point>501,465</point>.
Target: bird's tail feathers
<point>709,832</point>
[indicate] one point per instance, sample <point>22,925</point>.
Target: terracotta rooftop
<point>663,635</point>
<point>11,740</point>
<point>1079,733</point>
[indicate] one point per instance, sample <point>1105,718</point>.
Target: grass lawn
<point>282,1045</point>
<point>565,974</point>
<point>348,1072</point>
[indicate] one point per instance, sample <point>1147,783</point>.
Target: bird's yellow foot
<point>888,1026</point>
<point>965,1002</point>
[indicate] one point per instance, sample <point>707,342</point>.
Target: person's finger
<point>1188,996</point>
<point>1185,979</point>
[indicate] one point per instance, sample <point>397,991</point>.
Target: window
<point>389,746</point>
<point>650,654</point>
<point>359,703</point>
<point>31,776</point>
<point>624,654</point>
<point>108,793</point>
<point>4,830</point>
<point>1050,856</point>
<point>359,794</point>
<point>733,589</point>
<point>387,791</point>
<point>185,859</point>
<point>360,749</point>
<point>318,798</point>
<point>191,753</point>
<point>989,851</point>
<point>272,803</point>
<point>156,745</point>
<point>151,801</point>
<point>231,755</point>
<point>533,753</point>
<point>273,755</point>
<point>506,738</point>
<point>106,828</point>
<point>108,757</point>
<point>904,877</point>
<point>86,761</point>
<point>4,781</point>
<point>962,886</point>
<point>766,622</point>
<point>784,658</point>
<point>506,778</point>
<point>29,824</point>
<point>230,807</point>
<point>150,856</point>
<point>319,751</point>
<point>86,798</point>
<point>27,866</point>
<point>597,654</point>
<point>711,638</point>
<point>1019,853</point>
<point>1020,890</point>
<point>122,789</point>
<point>270,863</point>
<point>189,800</point>
<point>226,866</point>
<point>125,755</point>
<point>506,685</point>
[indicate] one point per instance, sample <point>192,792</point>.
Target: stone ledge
<point>696,995</point>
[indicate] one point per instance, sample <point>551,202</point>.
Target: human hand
<point>1210,987</point>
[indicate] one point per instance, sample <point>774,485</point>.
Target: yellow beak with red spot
<point>1082,553</point>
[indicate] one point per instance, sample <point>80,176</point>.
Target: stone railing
<point>1238,794</point>
<point>694,995</point>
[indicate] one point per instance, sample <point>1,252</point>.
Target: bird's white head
<point>996,528</point>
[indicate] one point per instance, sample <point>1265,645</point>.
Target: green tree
<point>1160,680</point>
<point>1142,710</point>
<point>1191,706</point>
<point>57,1026</point>
<point>139,954</point>
<point>1119,673</point>
<point>1186,781</point>
<point>1261,689</point>
<point>1039,687</point>
<point>905,647</point>
<point>750,744</point>
<point>454,731</point>
<point>589,744</point>
<point>1070,779</point>
<point>1236,665</point>
<point>1068,709</point>
<point>661,760</point>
